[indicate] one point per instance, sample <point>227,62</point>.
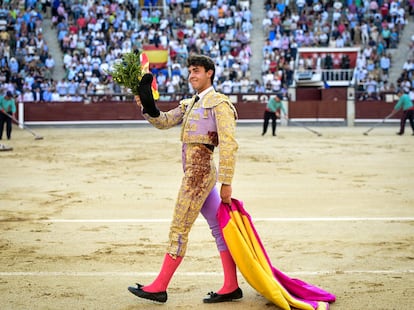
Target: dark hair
<point>202,61</point>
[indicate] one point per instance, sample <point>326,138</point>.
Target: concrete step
<point>401,53</point>
<point>50,35</point>
<point>257,38</point>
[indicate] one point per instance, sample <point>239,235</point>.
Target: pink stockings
<point>168,269</point>
<point>170,265</point>
<point>230,274</point>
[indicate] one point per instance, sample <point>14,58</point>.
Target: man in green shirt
<point>407,106</point>
<point>272,111</point>
<point>7,109</point>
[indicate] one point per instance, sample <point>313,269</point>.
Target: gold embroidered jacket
<point>210,121</point>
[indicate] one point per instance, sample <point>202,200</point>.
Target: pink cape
<point>253,262</point>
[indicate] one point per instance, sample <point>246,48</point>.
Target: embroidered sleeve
<point>167,119</point>
<point>226,129</point>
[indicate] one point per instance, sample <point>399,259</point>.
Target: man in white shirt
<point>227,86</point>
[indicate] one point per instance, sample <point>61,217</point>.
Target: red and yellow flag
<point>158,56</point>
<point>145,63</point>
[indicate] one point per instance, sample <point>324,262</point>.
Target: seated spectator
<point>258,88</point>
<point>227,86</point>
<point>62,87</point>
<point>370,90</point>
<point>405,85</point>
<point>244,85</point>
<point>55,96</point>
<point>47,95</point>
<point>27,95</point>
<point>37,94</point>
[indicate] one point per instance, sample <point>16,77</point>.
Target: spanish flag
<point>145,63</point>
<point>158,56</point>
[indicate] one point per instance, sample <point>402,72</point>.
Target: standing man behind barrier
<point>272,111</point>
<point>407,106</point>
<point>7,106</point>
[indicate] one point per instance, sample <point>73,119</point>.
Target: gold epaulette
<point>213,98</point>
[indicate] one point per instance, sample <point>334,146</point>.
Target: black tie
<point>196,98</point>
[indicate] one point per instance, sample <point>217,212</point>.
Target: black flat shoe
<point>138,291</point>
<point>215,298</point>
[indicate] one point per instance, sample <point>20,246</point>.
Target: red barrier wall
<point>314,103</point>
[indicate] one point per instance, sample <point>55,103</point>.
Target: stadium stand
<point>92,35</point>
<point>373,27</point>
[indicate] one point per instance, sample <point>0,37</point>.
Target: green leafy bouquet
<point>128,71</point>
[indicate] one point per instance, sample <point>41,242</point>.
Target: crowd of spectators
<point>373,26</point>
<point>406,79</point>
<point>94,34</point>
<point>93,37</point>
<point>26,64</point>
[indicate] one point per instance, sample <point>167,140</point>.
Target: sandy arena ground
<point>85,214</point>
